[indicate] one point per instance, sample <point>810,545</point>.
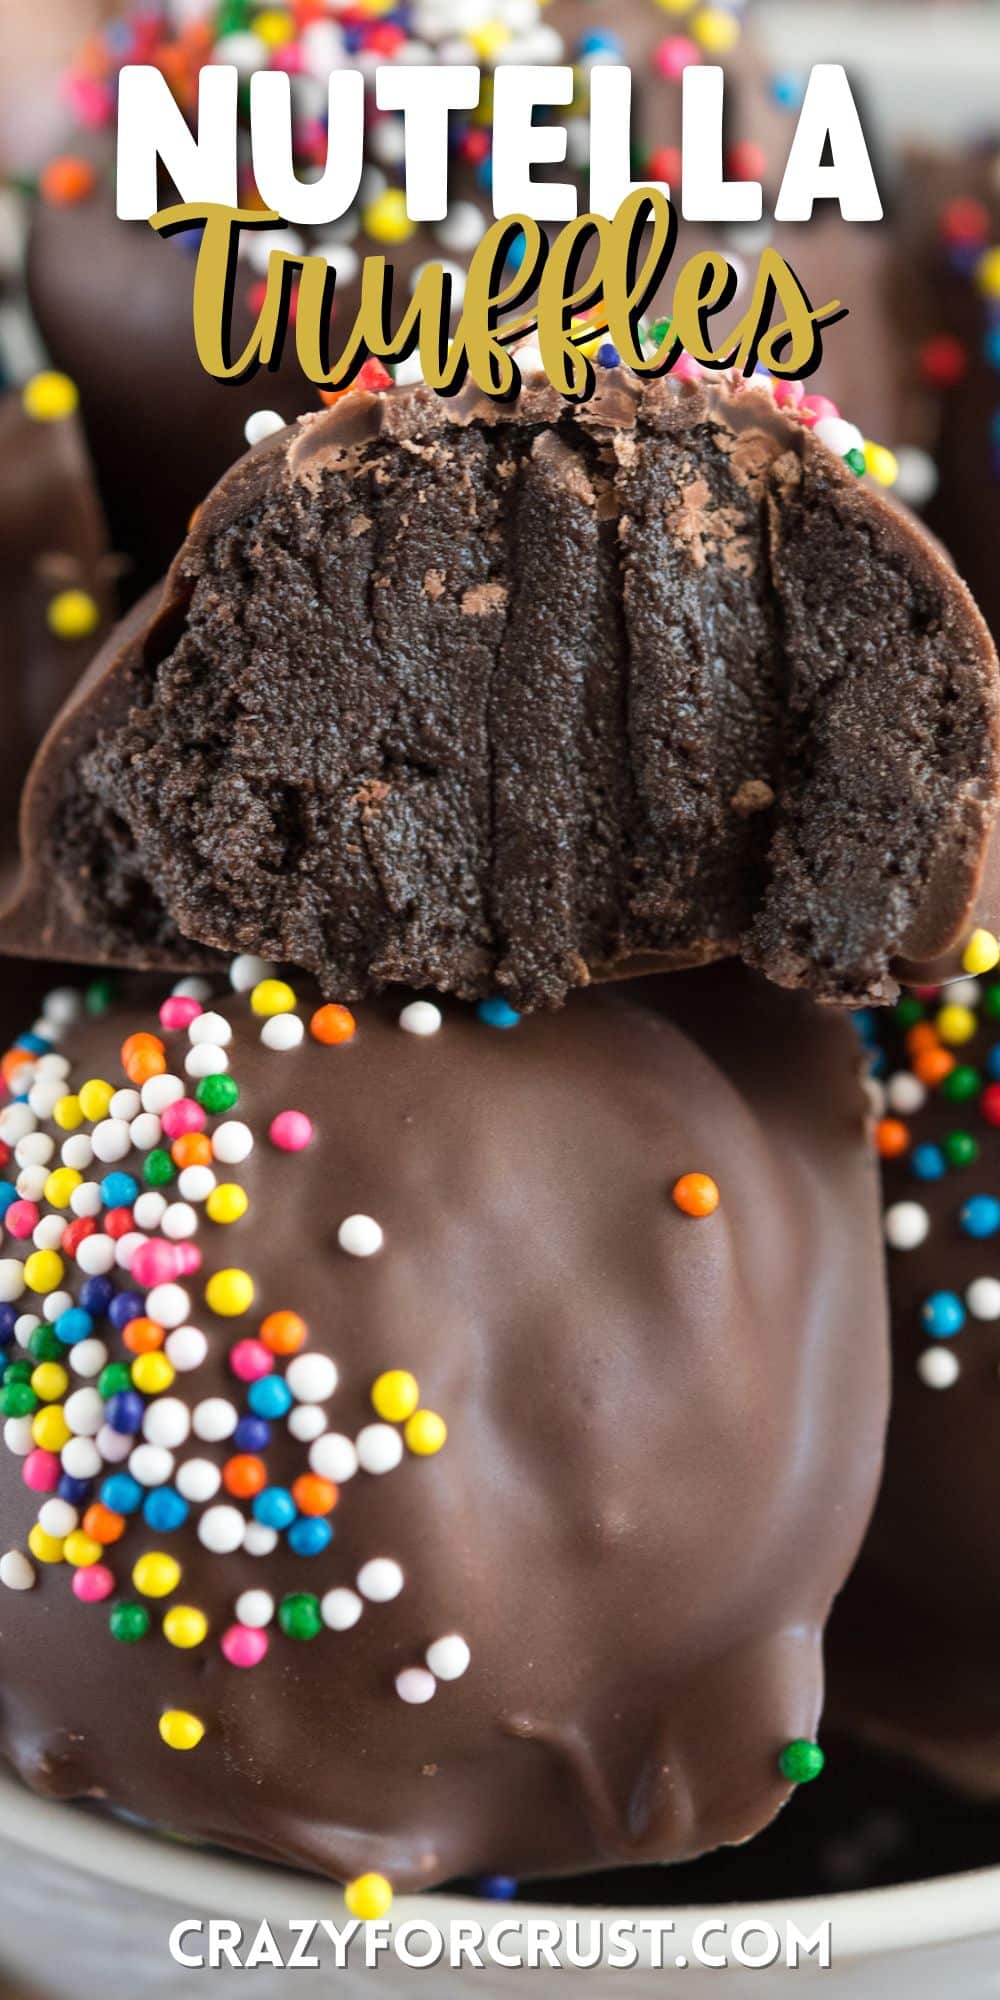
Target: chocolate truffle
<point>55,576</point>
<point>912,1649</point>
<point>505,697</point>
<point>432,1444</point>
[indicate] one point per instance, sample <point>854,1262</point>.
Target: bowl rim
<point>865,1923</point>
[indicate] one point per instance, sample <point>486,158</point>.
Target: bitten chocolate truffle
<point>504,698</point>
<point>432,1442</point>
<point>913,1646</point>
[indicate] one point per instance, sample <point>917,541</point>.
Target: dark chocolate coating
<point>512,696</point>
<point>52,538</point>
<point>912,1649</point>
<point>664,1436</point>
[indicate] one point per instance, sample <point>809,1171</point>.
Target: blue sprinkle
<point>122,1493</point>
<point>8,1321</point>
<point>788,89</point>
<point>980,1217</point>
<point>8,1195</point>
<point>309,1536</point>
<point>270,1397</point>
<point>252,1434</point>
<point>73,1325</point>
<point>275,1508</point>
<point>993,1063</point>
<point>608,355</point>
<point>74,1490</point>
<point>518,249</point>
<point>124,1307</point>
<point>484,174</point>
<point>119,1190</point>
<point>36,1045</point>
<point>943,1315</point>
<point>991,347</point>
<point>96,1296</point>
<point>928,1163</point>
<point>163,1510</point>
<point>499,1888</point>
<point>863,1023</point>
<point>497,1013</point>
<point>600,41</point>
<point>125,1412</point>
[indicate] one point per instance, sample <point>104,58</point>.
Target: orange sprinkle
<point>892,1138</point>
<point>923,1036</point>
<point>143,1336</point>
<point>244,1476</point>
<point>283,1332</point>
<point>696,1194</point>
<point>332,1024</point>
<point>14,1060</point>
<point>133,1043</point>
<point>144,1064</point>
<point>102,1525</point>
<point>933,1066</point>
<point>66,181</point>
<point>192,1149</point>
<point>313,1495</point>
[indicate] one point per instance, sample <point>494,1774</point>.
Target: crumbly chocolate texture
<point>663,1440</point>
<point>912,1648</point>
<point>52,540</point>
<point>506,698</point>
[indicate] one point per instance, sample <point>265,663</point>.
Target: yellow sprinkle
<point>229,1293</point>
<point>273,27</point>
<point>68,1114</point>
<point>988,273</point>
<point>180,1730</point>
<point>156,1574</point>
<point>956,1025</point>
<point>49,1429</point>
<point>49,1381</point>
<point>368,1897</point>
<point>385,219</point>
<point>43,1271</point>
<point>489,39</point>
<point>49,397</point>
<point>395,1395</point>
<point>483,113</point>
<point>227,1203</point>
<point>62,1185</point>
<point>272,996</point>
<point>425,1433</point>
<point>73,614</point>
<point>881,463</point>
<point>81,1550</point>
<point>95,1099</point>
<point>715,31</point>
<point>184,1626</point>
<point>981,953</point>
<point>152,1373</point>
<point>676,6</point>
<point>592,340</point>
<point>45,1548</point>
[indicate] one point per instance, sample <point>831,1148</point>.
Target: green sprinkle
<point>218,1093</point>
<point>801,1761</point>
<point>856,461</point>
<point>961,1149</point>
<point>17,1400</point>
<point>18,1371</point>
<point>45,1344</point>
<point>159,1168</point>
<point>299,1616</point>
<point>129,1622</point>
<point>99,995</point>
<point>961,1084</point>
<point>908,1011</point>
<point>991,1002</point>
<point>114,1379</point>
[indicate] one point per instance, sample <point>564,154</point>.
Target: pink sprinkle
<point>291,1130</point>
<point>288,58</point>
<point>92,1584</point>
<point>673,55</point>
<point>41,1470</point>
<point>179,1011</point>
<point>244,1645</point>
<point>817,409</point>
<point>22,1218</point>
<point>789,395</point>
<point>188,1259</point>
<point>686,368</point>
<point>184,1116</point>
<point>91,101</point>
<point>250,1359</point>
<point>155,1263</point>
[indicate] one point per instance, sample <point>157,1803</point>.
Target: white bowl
<point>88,1906</point>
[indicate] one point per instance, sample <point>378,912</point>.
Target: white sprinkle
<point>63,1005</point>
<point>88,1357</point>
<point>963,993</point>
<point>126,1247</point>
<point>17,1436</point>
<point>180,1220</point>
<point>407,372</point>
<point>214,1419</point>
<point>311,1377</point>
<point>51,1065</point>
<point>415,1685</point>
<point>380,1580</point>
<point>159,1091</point>
<point>461,228</point>
<point>84,1412</point>
<point>58,1518</point>
<point>918,476</point>
<point>247,971</point>
<point>34,1151</point>
<point>96,1255</point>
<point>232,1142</point>
<point>282,1031</point>
<point>198,1479</point>
<point>340,1609</point>
<point>81,1458</point>
<point>16,1572</point>
<point>221,1529</point>
<point>838,436</point>
<point>111,1139</point>
<point>49,1233</point>
<point>148,1212</point>
<point>906,1225</point>
<point>185,1348</point>
<point>56,1304</point>
<point>333,1457</point>
<point>905,1093</point>
<point>938,1368</point>
<point>360,1236</point>
<point>145,1131</point>
<point>193,988</point>
<point>85,1201</point>
<point>125,1104</point>
<point>263,424</point>
<point>421,1017</point>
<point>167,1422</point>
<point>210,1028</point>
<point>30,1183</point>
<point>448,1658</point>
<point>258,1540</point>
<point>113,1446</point>
<point>983,1298</point>
<point>16,1121</point>
<point>11,1280</point>
<point>195,1183</point>
<point>206,1059</point>
<point>151,1465</point>
<point>379,1448</point>
<point>77,1152</point>
<point>255,1608</point>
<point>306,1421</point>
<point>44,1095</point>
<point>24,1326</point>
<point>169,1305</point>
